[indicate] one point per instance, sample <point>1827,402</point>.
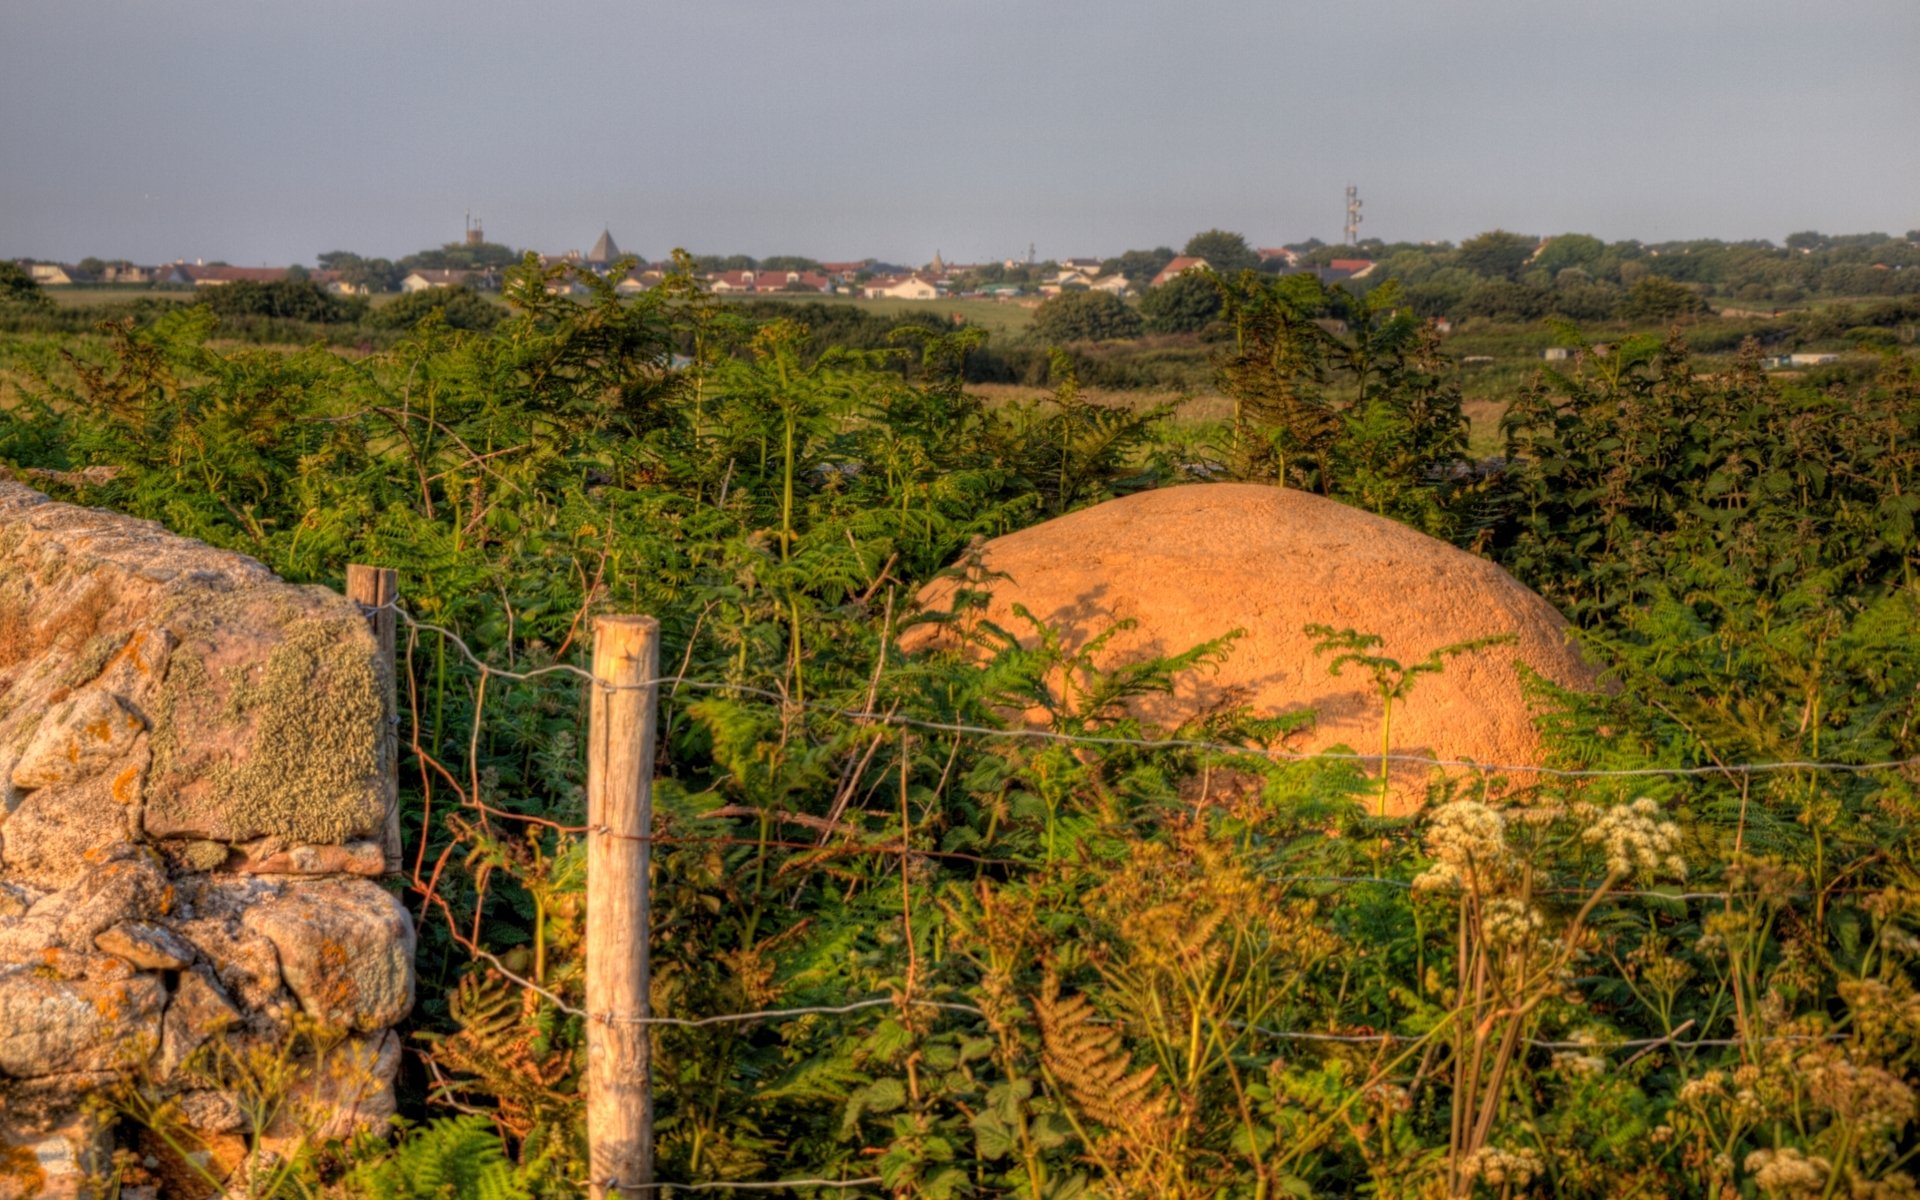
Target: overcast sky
<point>267,131</point>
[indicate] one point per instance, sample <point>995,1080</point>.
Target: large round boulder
<point>1190,564</point>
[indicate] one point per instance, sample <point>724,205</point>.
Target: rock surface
<point>346,950</point>
<point>50,1025</point>
<point>1193,563</point>
<point>189,782</point>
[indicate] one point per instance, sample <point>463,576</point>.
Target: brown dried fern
<point>1085,1055</point>
<point>500,1052</point>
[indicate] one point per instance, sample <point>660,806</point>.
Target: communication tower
<point>1353,215</point>
<point>475,235</point>
<point>1030,258</point>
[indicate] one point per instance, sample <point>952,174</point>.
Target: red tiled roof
<point>1180,265</point>
<point>234,274</point>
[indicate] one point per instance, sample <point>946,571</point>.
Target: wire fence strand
<point>894,718</point>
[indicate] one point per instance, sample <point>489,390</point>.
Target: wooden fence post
<point>378,589</point>
<point>626,654</point>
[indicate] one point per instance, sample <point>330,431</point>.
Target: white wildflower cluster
<point>1574,1063</point>
<point>1739,1094</point>
<point>1877,1101</point>
<point>1585,1061</point>
<point>1509,922</point>
<point>1788,1172</point>
<point>1636,842</point>
<point>1502,1168</point>
<point>1466,840</point>
<point>1711,1086</point>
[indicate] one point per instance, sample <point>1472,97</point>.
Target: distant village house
<point>1178,267</point>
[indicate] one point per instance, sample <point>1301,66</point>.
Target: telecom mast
<point>1353,215</point>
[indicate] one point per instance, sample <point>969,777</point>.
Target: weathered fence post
<point>626,654</point>
<point>377,589</point>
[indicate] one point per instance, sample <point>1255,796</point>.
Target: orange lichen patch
<point>337,995</point>
<point>131,653</point>
<point>58,694</point>
<point>20,1171</point>
<point>111,1003</point>
<point>100,730</point>
<point>166,901</point>
<point>123,785</point>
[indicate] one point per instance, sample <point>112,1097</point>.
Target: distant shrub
<point>18,290</point>
<point>1658,299</point>
<point>461,307</point>
<point>1086,317</point>
<point>284,300</point>
<point>1186,303</point>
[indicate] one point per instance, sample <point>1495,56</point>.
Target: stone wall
<point>190,814</point>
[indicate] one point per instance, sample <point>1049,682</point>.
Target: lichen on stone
<point>310,768</point>
<point>204,856</point>
<point>93,658</point>
<point>317,702</point>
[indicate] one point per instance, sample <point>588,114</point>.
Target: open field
<point>999,317</point>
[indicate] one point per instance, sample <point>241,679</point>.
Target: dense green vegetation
<point>1132,940</point>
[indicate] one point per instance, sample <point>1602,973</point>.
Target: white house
<point>49,273</point>
<point>904,287</point>
<point>421,280</point>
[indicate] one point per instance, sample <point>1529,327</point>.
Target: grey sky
<point>266,132</point>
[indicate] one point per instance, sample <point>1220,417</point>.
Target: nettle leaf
<point>993,1137</point>
<point>947,1181</point>
<point>888,1041</point>
<point>1049,1131</point>
<point>1067,1187</point>
<point>882,1095</point>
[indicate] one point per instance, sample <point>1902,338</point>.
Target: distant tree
<point>1227,253</point>
<point>1086,317</point>
<point>1570,250</point>
<point>1585,301</point>
<point>1186,303</point>
<point>90,267</point>
<point>460,307</point>
<point>17,288</point>
<point>1657,299</point>
<point>297,274</point>
<point>1806,239</point>
<point>374,274</point>
<point>1440,294</point>
<point>1497,254</point>
<point>1139,266</point>
<point>706,264</point>
<point>286,299</point>
<point>789,262</point>
<point>458,256</point>
<point>1503,299</point>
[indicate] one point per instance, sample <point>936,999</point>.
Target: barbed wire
<point>870,717</point>
<point>777,1185</point>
